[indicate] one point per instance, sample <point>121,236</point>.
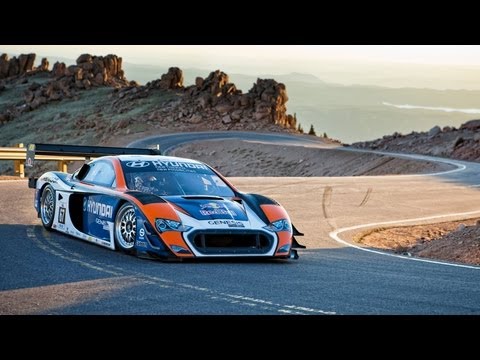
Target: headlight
<point>279,225</point>
<point>163,225</point>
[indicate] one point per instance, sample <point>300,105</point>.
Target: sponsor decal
<point>215,209</point>
<point>98,208</point>
<point>50,180</point>
<point>142,244</point>
<point>229,223</point>
<point>61,215</point>
<point>211,205</point>
<point>177,165</point>
<point>103,223</point>
<point>141,233</point>
<point>137,164</point>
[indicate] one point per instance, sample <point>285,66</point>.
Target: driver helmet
<point>144,181</point>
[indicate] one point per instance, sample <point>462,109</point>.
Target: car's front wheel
<point>47,207</point>
<point>125,228</point>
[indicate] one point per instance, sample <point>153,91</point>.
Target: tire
<point>47,207</point>
<point>125,228</point>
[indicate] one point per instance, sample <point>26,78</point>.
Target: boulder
<point>13,67</point>
<point>173,79</point>
<point>4,64</point>
<point>226,119</point>
<point>44,65</point>
<point>471,125</point>
<point>59,69</point>
<point>434,131</point>
<point>25,63</point>
<point>84,58</point>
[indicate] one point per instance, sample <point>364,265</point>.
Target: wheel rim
<point>48,206</point>
<point>126,227</point>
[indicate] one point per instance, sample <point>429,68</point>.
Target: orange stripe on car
<point>175,238</point>
<point>284,238</point>
<point>121,184</point>
<point>165,211</point>
<point>274,212</point>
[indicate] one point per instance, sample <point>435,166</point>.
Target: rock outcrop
<point>215,101</point>
<point>93,71</point>
<point>16,66</point>
<point>462,143</point>
<point>211,103</point>
<point>89,71</point>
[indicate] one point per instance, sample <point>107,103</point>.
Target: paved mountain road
<point>49,273</point>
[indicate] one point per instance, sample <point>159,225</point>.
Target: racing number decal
<point>61,215</point>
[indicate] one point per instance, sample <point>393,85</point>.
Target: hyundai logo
<point>138,164</point>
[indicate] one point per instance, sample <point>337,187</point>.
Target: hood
<point>208,208</point>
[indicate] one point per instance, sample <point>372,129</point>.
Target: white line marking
<point>335,236</point>
<point>54,248</point>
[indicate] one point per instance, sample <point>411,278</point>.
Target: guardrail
<point>18,155</point>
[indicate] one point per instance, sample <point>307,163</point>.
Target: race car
<point>156,206</point>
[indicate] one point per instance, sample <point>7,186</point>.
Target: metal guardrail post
<point>19,168</point>
<point>19,165</point>
<point>62,166</point>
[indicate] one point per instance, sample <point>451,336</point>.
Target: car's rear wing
<point>74,152</point>
<point>84,151</point>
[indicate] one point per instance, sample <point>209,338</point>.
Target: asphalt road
<point>170,141</point>
<point>49,273</point>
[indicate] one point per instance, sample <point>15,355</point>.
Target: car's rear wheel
<point>125,228</point>
<point>47,207</point>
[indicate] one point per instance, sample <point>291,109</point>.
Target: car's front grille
<point>231,243</point>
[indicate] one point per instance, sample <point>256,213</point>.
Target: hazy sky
<point>391,65</point>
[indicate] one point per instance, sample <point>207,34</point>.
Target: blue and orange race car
<point>155,206</point>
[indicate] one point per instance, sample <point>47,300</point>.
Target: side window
<point>100,173</point>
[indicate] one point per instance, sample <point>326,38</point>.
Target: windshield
<point>167,178</point>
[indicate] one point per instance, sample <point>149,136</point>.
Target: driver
<point>145,183</point>
<point>150,184</point>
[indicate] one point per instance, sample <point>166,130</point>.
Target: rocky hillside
<point>214,103</point>
<point>11,68</point>
<point>451,243</point>
<point>211,103</point>
<point>92,102</point>
<point>462,143</point>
